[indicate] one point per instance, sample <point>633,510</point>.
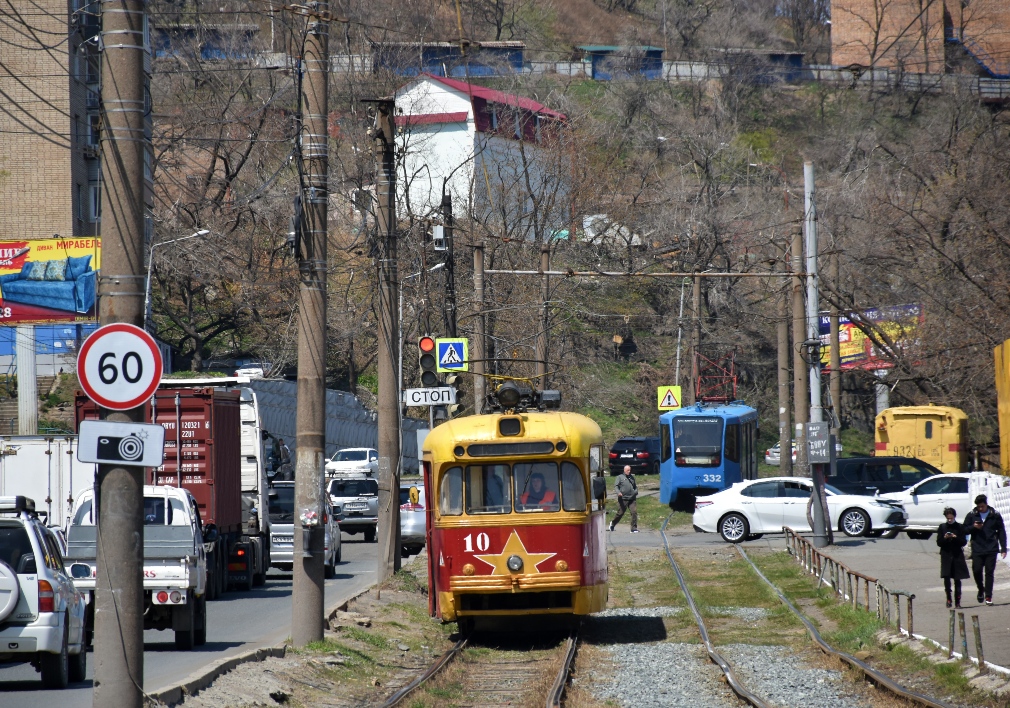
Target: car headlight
<point>884,505</point>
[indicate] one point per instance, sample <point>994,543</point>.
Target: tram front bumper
<point>534,593</point>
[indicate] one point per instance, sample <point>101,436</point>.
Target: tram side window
<point>665,449</point>
<point>450,492</point>
<point>733,442</point>
<point>573,488</point>
<point>536,486</point>
<point>487,489</point>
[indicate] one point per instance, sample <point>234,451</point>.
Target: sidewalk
<point>914,566</point>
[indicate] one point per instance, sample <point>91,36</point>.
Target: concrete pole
<point>310,421</point>
<point>119,601</point>
<point>28,383</point>
<point>883,391</point>
<point>785,434</point>
<point>812,328</point>
<point>835,381</point>
<point>801,403</point>
<point>449,307</point>
<point>479,350</point>
<point>384,133</point>
<point>692,385</point>
<point>545,295</point>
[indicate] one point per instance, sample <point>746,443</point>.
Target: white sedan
<point>926,501</point>
<point>750,509</point>
<point>364,460</point>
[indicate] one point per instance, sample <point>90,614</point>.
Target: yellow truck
<point>934,434</point>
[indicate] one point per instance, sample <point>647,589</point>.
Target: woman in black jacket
<point>950,537</point>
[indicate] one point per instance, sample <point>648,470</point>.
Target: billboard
<point>49,280</point>
<point>857,351</point>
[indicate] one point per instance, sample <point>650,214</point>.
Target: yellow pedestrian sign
<point>668,398</point>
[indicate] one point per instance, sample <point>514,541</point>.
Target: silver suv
<point>41,612</point>
<point>355,501</point>
<point>282,531</point>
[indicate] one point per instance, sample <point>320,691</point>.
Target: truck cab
<point>175,563</point>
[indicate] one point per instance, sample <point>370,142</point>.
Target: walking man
<point>627,495</point>
<point>988,537</point>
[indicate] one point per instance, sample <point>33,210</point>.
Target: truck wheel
<point>329,571</point>
<point>259,579</point>
<point>211,585</point>
<point>184,636</point>
<point>369,535</point>
<point>200,637</point>
<point>79,665</point>
<point>55,668</point>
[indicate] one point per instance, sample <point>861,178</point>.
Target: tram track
<point>496,676</point>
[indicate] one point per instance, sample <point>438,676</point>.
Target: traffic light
<point>453,380</point>
<point>426,360</point>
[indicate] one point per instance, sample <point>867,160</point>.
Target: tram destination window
<point>450,492</point>
<point>536,485</point>
<point>573,488</point>
<point>487,489</point>
<point>697,441</point>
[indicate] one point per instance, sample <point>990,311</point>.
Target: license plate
<point>356,507</point>
<point>284,539</point>
<point>627,454</point>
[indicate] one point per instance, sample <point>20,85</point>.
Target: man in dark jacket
<point>627,494</point>
<point>988,537</point>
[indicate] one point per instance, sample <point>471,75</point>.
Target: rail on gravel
<point>869,672</point>
<point>727,669</point>
<point>439,664</point>
<point>557,691</point>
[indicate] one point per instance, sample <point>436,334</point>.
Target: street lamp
<point>399,380</point>
<point>150,264</point>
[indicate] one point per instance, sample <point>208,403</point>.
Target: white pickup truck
<point>175,565</point>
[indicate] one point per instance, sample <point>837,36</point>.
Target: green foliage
<point>760,143</point>
<point>196,375</point>
<point>369,380</point>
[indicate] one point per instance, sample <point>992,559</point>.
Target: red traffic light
<point>426,344</point>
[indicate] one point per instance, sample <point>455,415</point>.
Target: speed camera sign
<point>119,366</point>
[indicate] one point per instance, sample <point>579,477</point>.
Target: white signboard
<point>119,366</point>
<point>128,444</point>
<point>441,396</point>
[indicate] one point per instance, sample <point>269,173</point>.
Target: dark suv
<point>870,475</point>
<point>641,453</point>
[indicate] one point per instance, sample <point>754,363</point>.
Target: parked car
<point>641,453</point>
<point>756,507</point>
<point>354,460</point>
<point>42,614</point>
<point>773,455</point>
<point>413,518</point>
<point>355,501</point>
<point>879,475</point>
<point>282,531</point>
<point>925,501</point>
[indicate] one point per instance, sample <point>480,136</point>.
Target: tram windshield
<point>523,486</point>
<point>697,441</point>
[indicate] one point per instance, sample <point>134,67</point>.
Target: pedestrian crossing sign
<point>453,354</point>
<point>668,398</point>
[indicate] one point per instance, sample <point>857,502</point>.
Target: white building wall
<point>433,153</point>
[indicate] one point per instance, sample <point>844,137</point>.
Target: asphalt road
<point>237,622</point>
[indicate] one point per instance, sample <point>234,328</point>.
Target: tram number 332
<point>709,478</point>
<point>483,542</point>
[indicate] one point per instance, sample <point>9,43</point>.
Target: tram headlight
<point>515,563</point>
<point>508,394</point>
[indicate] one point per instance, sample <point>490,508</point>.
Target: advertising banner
<point>49,280</point>
<point>857,351</point>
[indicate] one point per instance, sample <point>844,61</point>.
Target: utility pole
<point>309,545</point>
<point>695,340</point>
<point>820,516</point>
<point>119,602</point>
<point>835,380</point>
<point>545,295</point>
<point>801,403</point>
<point>782,327</point>
<point>449,307</point>
<point>479,350</point>
<point>383,132</point>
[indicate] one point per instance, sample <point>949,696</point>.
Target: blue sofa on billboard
<point>73,292</point>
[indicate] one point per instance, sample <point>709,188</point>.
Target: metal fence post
<point>982,668</point>
<point>964,636</point>
<point>910,598</point>
<point>953,636</point>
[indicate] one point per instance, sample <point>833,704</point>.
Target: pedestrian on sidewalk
<point>988,537</point>
<point>951,539</point>
<point>627,495</point>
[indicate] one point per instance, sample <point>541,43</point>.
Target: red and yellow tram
<point>516,516</point>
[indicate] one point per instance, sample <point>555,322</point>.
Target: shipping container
<point>934,434</point>
<point>204,423</point>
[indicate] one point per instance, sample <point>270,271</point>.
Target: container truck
<point>44,468</point>
<point>213,449</point>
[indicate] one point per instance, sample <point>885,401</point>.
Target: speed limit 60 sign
<point>119,366</point>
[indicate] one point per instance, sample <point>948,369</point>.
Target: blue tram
<point>705,448</point>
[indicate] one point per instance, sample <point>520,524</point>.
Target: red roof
<point>429,118</point>
<point>492,96</point>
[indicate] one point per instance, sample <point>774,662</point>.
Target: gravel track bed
<point>664,674</point>
<point>783,679</point>
<point>747,614</point>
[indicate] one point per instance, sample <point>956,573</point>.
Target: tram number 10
<point>483,542</point>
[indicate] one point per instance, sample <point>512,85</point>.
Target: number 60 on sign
<point>119,366</point>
